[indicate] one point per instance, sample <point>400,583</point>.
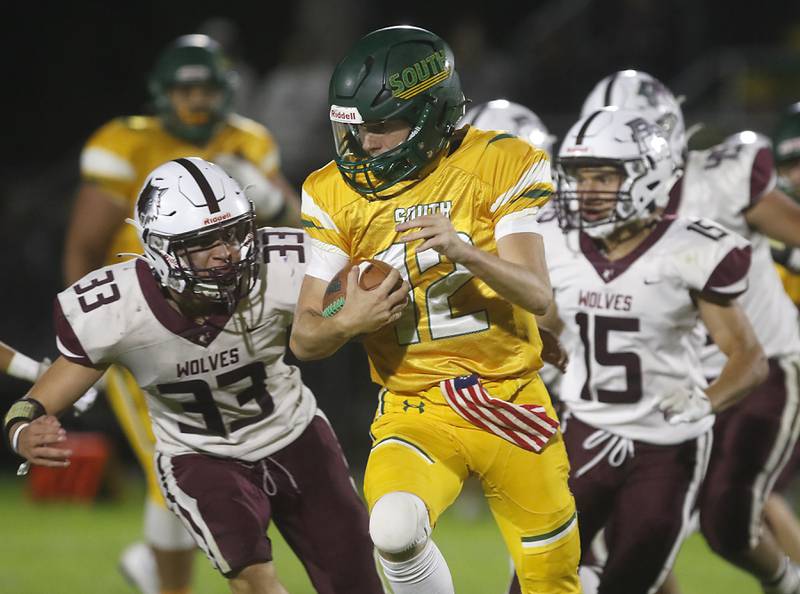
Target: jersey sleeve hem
<point>326,260</point>
<point>729,278</point>
<point>523,221</point>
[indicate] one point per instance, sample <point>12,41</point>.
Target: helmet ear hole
<point>382,97</point>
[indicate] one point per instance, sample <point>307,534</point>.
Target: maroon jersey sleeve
<point>762,175</point>
<point>729,278</point>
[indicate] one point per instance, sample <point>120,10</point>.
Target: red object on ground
<point>80,481</point>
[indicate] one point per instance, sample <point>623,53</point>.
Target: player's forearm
<point>777,216</point>
<point>62,384</point>
<point>518,284</point>
<point>550,320</point>
<point>745,369</point>
<point>315,337</point>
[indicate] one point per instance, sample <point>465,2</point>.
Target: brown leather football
<point>372,274</point>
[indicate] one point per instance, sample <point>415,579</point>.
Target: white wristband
<point>15,436</point>
<point>23,367</point>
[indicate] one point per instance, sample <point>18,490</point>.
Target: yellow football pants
<point>423,447</point>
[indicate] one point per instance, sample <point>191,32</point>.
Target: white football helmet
<point>638,91</point>
<point>508,116</point>
<point>637,148</point>
<point>189,205</point>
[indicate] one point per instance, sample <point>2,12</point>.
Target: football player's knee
<point>398,522</point>
<point>164,530</point>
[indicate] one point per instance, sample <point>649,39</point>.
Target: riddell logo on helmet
<point>346,115</point>
<point>420,76</point>
<point>217,218</point>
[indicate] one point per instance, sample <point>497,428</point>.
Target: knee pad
<point>398,522</point>
<point>163,530</point>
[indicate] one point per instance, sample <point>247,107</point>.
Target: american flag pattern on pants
<point>525,425</point>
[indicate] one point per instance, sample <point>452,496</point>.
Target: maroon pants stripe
<point>305,488</point>
<point>183,513</point>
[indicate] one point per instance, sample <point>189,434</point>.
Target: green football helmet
<point>787,135</point>
<point>397,73</point>
<point>192,60</point>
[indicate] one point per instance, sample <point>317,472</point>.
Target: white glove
<point>685,405</point>
<point>266,197</point>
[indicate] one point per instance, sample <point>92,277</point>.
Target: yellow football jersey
<point>455,323</point>
<point>791,283</point>
<point>120,154</point>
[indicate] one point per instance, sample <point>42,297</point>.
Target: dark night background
<point>70,67</point>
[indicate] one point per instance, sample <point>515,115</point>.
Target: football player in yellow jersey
<point>456,347</point>
<point>192,87</point>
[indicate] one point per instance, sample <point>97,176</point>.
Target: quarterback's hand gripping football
<point>364,311</point>
<point>685,405</point>
<point>438,233</point>
<point>38,443</point>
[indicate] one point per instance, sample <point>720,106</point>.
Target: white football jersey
<point>221,388</point>
<point>722,183</point>
<point>626,321</point>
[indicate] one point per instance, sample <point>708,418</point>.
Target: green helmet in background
<point>192,60</point>
<point>404,73</point>
<point>786,142</point>
<point>787,135</point>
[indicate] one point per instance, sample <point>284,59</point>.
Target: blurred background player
<point>457,358</point>
<point>201,321</point>
<point>192,88</point>
<point>778,512</point>
<point>19,365</point>
<point>733,183</point>
<point>516,119</point>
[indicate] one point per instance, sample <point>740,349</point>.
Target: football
<point>372,272</point>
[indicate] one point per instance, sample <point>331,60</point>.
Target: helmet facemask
<point>225,284</point>
<point>373,176</point>
<point>195,125</point>
<point>581,209</point>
